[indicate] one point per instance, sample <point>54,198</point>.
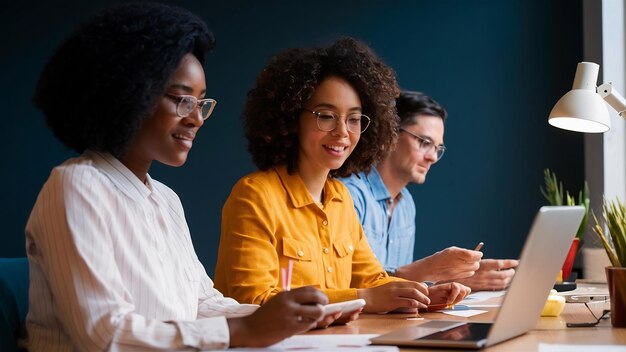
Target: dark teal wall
<point>498,66</point>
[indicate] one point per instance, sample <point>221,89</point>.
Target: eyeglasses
<point>590,324</point>
<point>327,121</point>
<point>186,103</point>
<point>427,146</point>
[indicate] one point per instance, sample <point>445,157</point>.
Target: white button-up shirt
<point>112,266</point>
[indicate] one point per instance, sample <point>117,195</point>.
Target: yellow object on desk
<point>554,305</point>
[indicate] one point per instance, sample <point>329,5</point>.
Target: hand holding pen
<point>492,275</point>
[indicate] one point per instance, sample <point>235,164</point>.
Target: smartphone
<point>344,307</point>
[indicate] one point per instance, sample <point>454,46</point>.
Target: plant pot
<point>569,260</point>
<point>616,278</point>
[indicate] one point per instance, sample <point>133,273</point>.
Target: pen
<point>289,272</point>
<point>479,246</point>
<point>286,276</point>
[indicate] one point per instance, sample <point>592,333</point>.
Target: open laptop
<point>543,254</point>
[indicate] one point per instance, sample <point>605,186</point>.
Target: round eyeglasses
<point>186,103</point>
<point>327,121</point>
<point>426,145</point>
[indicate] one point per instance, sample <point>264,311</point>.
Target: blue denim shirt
<point>391,242</point>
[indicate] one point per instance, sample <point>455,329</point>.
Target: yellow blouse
<point>270,218</point>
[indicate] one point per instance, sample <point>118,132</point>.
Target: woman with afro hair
<point>314,114</point>
<point>112,265</point>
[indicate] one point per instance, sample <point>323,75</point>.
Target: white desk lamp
<point>583,108</point>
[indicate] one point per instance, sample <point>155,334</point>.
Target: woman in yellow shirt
<point>313,115</point>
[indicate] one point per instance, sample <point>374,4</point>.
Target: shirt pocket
<point>297,250</point>
<point>305,270</point>
<point>343,248</point>
<point>342,265</point>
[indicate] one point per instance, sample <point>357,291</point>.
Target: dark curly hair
<point>289,81</point>
<point>107,76</point>
<point>410,104</point>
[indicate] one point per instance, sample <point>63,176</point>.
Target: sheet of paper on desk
<point>463,313</point>
<point>481,296</point>
<point>346,342</point>
<point>545,347</point>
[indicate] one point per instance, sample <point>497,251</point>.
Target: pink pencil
<point>289,272</point>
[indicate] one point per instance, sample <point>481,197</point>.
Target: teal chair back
<point>13,300</point>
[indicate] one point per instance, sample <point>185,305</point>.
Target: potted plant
<point>553,193</point>
<point>614,241</point>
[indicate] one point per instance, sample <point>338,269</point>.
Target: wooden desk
<point>548,330</point>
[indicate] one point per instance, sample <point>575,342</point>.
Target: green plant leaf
<point>553,191</point>
<point>607,247</point>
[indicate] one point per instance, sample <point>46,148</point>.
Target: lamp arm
<point>613,98</point>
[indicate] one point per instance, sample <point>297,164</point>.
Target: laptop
<point>544,252</point>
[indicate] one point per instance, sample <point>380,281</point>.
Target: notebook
<point>544,252</point>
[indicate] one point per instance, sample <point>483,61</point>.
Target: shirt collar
<point>379,190</point>
<point>299,194</point>
<point>120,175</point>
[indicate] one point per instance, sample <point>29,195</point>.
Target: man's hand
<point>493,275</point>
<point>452,263</point>
<point>394,295</point>
<point>286,314</point>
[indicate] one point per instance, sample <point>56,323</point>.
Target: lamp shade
<point>582,109</point>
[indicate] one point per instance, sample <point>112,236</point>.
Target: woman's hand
<point>394,295</point>
<point>286,314</point>
<point>448,293</point>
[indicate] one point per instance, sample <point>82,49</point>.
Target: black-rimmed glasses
<point>327,120</point>
<point>590,324</point>
<point>186,103</point>
<point>426,145</point>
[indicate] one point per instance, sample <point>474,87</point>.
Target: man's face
<point>408,160</point>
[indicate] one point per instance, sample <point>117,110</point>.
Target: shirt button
<point>300,253</point>
<point>330,269</point>
<point>350,248</point>
<point>390,241</point>
<point>326,250</point>
<point>325,222</point>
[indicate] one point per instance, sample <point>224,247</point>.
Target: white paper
<point>482,305</point>
<point>346,342</point>
<point>463,313</point>
<point>480,296</point>
<point>545,347</point>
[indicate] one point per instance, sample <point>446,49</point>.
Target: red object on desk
<point>569,260</point>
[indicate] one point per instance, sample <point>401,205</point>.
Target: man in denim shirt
<point>387,211</point>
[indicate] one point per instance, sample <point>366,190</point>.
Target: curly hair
<point>107,77</point>
<point>410,104</point>
<point>289,80</point>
